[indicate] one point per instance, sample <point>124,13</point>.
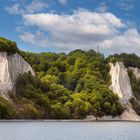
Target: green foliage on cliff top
<point>8,46</point>
<point>129,60</point>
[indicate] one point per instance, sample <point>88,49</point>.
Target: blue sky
<point>65,25</point>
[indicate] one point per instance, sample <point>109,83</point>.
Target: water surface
<point>69,131</point>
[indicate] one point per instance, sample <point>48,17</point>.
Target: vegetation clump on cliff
<point>129,60</point>
<point>135,82</point>
<point>8,46</point>
<point>7,110</point>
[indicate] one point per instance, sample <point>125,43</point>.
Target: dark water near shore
<point>69,131</point>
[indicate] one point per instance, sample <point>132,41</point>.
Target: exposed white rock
<point>129,114</point>
<point>136,72</point>
<point>120,82</point>
<point>109,118</point>
<point>11,66</point>
<point>121,85</point>
<point>90,118</point>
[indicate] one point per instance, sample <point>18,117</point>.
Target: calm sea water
<point>69,131</point>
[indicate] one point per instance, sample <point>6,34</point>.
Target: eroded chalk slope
<point>11,66</point>
<point>122,87</point>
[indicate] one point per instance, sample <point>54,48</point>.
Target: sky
<point>66,25</point>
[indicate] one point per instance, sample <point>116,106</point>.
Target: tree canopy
<point>8,46</point>
<point>68,86</point>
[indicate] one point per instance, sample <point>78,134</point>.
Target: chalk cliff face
<point>120,82</point>
<point>11,66</point>
<point>121,86</point>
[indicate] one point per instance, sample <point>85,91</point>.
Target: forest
<point>66,86</point>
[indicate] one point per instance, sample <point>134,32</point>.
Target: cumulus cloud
<point>126,5</point>
<point>14,9</point>
<point>81,30</point>
<point>36,38</point>
<point>63,2</point>
<point>102,7</point>
<point>33,7</point>
<point>36,6</point>
<point>81,23</point>
<point>128,42</point>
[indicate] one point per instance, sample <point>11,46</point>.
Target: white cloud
<point>33,7</point>
<point>14,9</point>
<point>36,6</point>
<point>63,2</point>
<point>126,5</point>
<point>36,38</point>
<point>128,42</point>
<point>82,22</point>
<point>102,7</point>
<point>81,30</point>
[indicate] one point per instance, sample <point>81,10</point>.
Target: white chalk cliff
<point>11,66</point>
<point>120,82</point>
<point>121,86</point>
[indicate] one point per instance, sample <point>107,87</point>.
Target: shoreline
<point>69,120</point>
